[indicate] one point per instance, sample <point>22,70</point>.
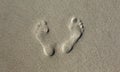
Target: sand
<point>23,39</point>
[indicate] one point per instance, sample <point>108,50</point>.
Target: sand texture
<point>59,35</point>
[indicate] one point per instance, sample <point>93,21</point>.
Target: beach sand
<point>97,50</point>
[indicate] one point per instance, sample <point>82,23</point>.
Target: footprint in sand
<point>41,32</point>
<point>76,29</point>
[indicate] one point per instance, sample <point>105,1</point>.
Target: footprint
<point>76,29</point>
<point>41,32</point>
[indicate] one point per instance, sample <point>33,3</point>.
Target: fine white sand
<point>59,35</point>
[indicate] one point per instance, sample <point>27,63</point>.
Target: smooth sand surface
<point>98,49</point>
